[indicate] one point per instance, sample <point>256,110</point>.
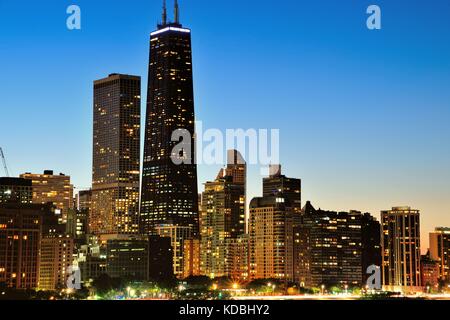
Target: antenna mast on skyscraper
<point>164,13</point>
<point>177,12</point>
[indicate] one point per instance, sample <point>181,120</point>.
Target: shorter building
<point>77,224</point>
<point>51,188</point>
<point>440,251</point>
<point>271,239</point>
<point>15,190</point>
<point>277,184</point>
<point>191,258</point>
<point>370,242</point>
<point>160,259</point>
<point>335,248</point>
<point>430,272</point>
<point>91,260</point>
<point>21,231</point>
<point>222,215</point>
<point>127,257</point>
<point>177,235</point>
<point>237,258</point>
<point>84,200</point>
<point>400,242</point>
<point>56,257</point>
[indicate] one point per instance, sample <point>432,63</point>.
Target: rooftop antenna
<point>164,13</point>
<point>177,12</point>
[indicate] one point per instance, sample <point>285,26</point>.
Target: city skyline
<point>381,170</point>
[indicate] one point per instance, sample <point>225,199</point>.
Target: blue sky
<point>363,115</point>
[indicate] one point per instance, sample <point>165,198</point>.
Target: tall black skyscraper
<point>169,191</point>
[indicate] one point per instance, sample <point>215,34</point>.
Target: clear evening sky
<point>364,115</point>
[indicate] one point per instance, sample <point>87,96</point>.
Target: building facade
<point>271,224</point>
<point>52,188</point>
<point>237,258</point>
<point>84,200</point>
<point>429,269</point>
<point>277,184</point>
<point>127,257</point>
<point>91,260</point>
<point>440,251</point>
<point>400,242</point>
<point>177,236</point>
<point>160,259</point>
<point>335,248</point>
<point>56,256</point>
<point>116,155</point>
<point>77,225</point>
<point>191,258</point>
<point>222,216</point>
<point>370,245</point>
<point>22,226</point>
<point>17,190</point>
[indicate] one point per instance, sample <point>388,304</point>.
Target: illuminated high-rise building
<point>400,241</point>
<point>429,270</point>
<point>169,177</point>
<point>440,251</point>
<point>335,248</point>
<point>177,235</point>
<point>236,167</point>
<point>277,184</point>
<point>222,215</point>
<point>56,257</point>
<point>22,227</point>
<point>237,258</point>
<point>52,188</point>
<point>116,153</point>
<point>271,244</point>
<point>191,258</point>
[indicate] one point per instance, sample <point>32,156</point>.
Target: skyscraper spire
<point>164,14</point>
<point>177,12</point>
